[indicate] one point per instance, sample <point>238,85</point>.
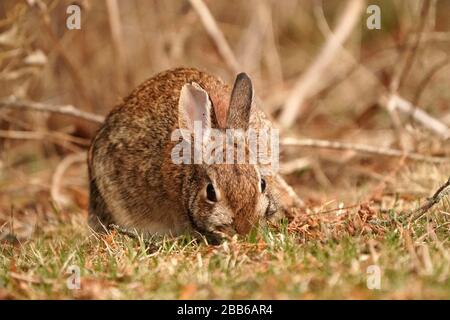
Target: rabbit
<point>134,183</point>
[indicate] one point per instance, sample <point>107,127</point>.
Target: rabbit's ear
<point>240,103</point>
<point>194,105</point>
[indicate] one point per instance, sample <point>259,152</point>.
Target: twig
<point>290,191</point>
<point>426,80</point>
<point>41,135</point>
<point>12,102</point>
<point>72,67</point>
<point>58,138</point>
<point>271,54</point>
<point>131,234</point>
<point>62,167</point>
<point>410,53</point>
<point>295,165</point>
<point>148,241</point>
<point>437,36</point>
<point>326,144</point>
<point>303,88</point>
<point>435,199</point>
<point>115,27</point>
<point>433,124</point>
<point>250,47</point>
<point>216,34</point>
<point>333,210</point>
<point>405,61</point>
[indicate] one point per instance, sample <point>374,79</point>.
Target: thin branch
<point>271,53</point>
<point>362,148</point>
<point>405,61</point>
<point>62,167</point>
<point>295,165</point>
<point>303,88</point>
<point>14,103</point>
<point>290,191</point>
<point>22,135</point>
<point>216,34</point>
<point>426,80</point>
<point>72,67</point>
<point>132,234</point>
<point>440,193</point>
<point>115,27</point>
<point>41,135</point>
<point>250,48</point>
<point>411,52</point>
<point>433,124</point>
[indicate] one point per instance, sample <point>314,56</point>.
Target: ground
<point>324,252</point>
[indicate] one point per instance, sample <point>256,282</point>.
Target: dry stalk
<point>426,80</point>
<point>398,103</point>
<point>115,26</point>
<point>304,86</point>
<point>405,61</point>
<point>62,167</point>
<point>362,148</point>
<point>216,34</point>
<point>12,102</point>
<point>129,233</point>
<point>440,193</point>
<point>295,165</point>
<point>41,135</point>
<point>72,67</point>
<point>407,58</point>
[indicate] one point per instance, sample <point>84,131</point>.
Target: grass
<point>272,263</point>
<point>323,253</point>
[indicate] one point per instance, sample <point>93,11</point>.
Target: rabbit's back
<point>127,156</point>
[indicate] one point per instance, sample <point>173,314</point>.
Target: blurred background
<point>342,93</point>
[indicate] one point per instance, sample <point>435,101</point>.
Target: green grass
<point>269,264</point>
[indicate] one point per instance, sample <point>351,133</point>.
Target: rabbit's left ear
<point>193,106</point>
<point>240,103</point>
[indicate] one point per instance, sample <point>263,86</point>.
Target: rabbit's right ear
<point>240,103</point>
<point>194,105</point>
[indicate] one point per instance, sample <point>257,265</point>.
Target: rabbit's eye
<point>263,185</point>
<point>211,193</point>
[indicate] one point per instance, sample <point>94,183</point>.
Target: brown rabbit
<point>134,182</point>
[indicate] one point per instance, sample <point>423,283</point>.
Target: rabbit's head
<point>224,191</point>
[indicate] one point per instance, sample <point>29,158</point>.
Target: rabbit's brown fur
<point>134,183</point>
